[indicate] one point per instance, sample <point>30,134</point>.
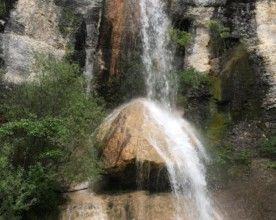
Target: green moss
<point>182,101</point>
<point>215,87</point>
<point>181,38</point>
<point>216,126</point>
<point>237,54</point>
<point>239,84</point>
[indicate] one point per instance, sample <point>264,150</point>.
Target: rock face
<point>126,148</point>
<point>266,27</point>
<point>32,28</point>
<point>83,37</point>
<point>250,22</point>
<point>198,55</point>
<point>109,37</point>
<point>119,28</point>
<point>35,27</point>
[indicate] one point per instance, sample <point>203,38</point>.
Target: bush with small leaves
<point>181,38</point>
<point>46,137</point>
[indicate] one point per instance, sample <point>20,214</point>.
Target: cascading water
<point>184,163</point>
<point>185,155</point>
<point>157,57</point>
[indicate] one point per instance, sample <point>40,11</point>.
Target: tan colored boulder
<point>124,137</point>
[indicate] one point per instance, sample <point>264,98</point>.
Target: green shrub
<point>243,157</point>
<point>268,148</point>
<point>191,79</point>
<point>46,137</point>
<point>181,38</point>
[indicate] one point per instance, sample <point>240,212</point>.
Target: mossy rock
<point>217,126</point>
<point>238,85</point>
<point>215,87</point>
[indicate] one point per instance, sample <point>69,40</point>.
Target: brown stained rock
<point>115,12</point>
<point>120,22</point>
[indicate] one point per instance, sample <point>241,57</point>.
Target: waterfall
<point>93,19</point>
<point>157,56</point>
<point>185,155</point>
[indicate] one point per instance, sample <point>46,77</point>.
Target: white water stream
<point>157,55</point>
<point>185,156</point>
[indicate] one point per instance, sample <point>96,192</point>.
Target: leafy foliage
<point>191,79</point>
<point>226,155</point>
<point>45,137</point>
<point>181,38</point>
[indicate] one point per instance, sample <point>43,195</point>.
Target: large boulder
<point>126,149</point>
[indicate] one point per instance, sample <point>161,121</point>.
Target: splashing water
<point>185,155</point>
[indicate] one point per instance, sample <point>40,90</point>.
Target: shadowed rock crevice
<point>137,176</point>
